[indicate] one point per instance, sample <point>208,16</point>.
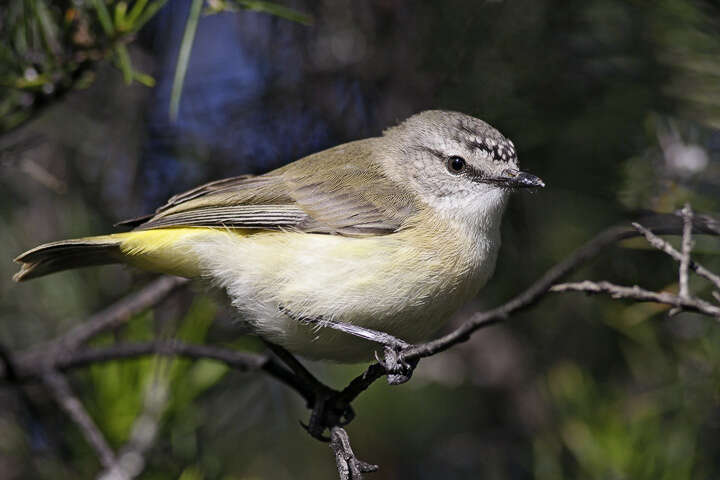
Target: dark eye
<point>456,164</point>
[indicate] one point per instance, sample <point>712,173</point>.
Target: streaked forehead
<point>470,132</point>
<point>478,135</point>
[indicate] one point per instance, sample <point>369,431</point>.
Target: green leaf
<point>144,78</point>
<point>104,16</point>
<point>139,20</point>
<point>48,28</point>
<point>125,63</point>
<point>184,57</point>
<point>120,16</point>
<point>135,12</point>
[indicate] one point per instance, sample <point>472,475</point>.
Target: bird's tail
<point>167,250</point>
<point>66,254</point>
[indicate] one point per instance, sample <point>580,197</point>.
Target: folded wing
<point>339,191</point>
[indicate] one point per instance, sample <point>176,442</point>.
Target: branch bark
<point>664,246</point>
<point>61,391</point>
<point>687,244</point>
<point>640,294</point>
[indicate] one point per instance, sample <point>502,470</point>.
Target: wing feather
<point>324,193</point>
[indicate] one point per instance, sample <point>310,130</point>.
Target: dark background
<point>613,103</point>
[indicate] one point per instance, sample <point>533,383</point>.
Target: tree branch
<point>687,244</point>
<point>640,294</point>
<point>61,391</point>
<point>111,317</point>
<point>664,246</point>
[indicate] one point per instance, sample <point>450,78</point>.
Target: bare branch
<point>687,244</point>
<point>640,294</point>
<point>233,358</point>
<point>121,311</point>
<point>29,365</point>
<point>67,400</point>
<point>664,246</point>
<point>349,467</point>
<point>107,319</point>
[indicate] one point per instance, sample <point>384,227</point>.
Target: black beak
<point>511,178</point>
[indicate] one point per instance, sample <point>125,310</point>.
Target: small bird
<point>388,234</point>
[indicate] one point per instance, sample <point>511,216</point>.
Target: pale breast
<point>406,284</point>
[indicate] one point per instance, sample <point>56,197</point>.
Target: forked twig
<point>664,246</point>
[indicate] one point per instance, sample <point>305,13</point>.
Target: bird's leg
<point>327,408</point>
<point>399,370</point>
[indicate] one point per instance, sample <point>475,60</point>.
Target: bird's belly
<point>285,284</point>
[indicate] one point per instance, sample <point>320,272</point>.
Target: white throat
<point>478,214</point>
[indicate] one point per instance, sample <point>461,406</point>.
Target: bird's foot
<point>399,370</point>
<point>328,410</point>
<point>328,407</point>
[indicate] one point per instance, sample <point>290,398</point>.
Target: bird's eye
<point>456,164</point>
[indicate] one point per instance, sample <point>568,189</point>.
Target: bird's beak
<point>511,178</point>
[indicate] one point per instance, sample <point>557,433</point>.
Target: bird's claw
<point>399,370</point>
<point>327,412</point>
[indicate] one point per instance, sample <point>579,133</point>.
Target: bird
<point>389,234</point>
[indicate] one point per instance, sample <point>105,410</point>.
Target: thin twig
<point>687,243</point>
<point>29,366</point>
<point>121,311</point>
<point>640,294</point>
<point>235,359</point>
<point>664,246</point>
<point>67,400</point>
<point>109,318</point>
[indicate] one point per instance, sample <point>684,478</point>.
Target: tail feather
<point>67,254</point>
<point>161,250</point>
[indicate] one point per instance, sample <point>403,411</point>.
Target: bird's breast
<point>406,284</point>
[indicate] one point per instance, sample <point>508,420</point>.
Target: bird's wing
<point>323,193</point>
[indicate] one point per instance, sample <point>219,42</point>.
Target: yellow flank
<point>165,250</point>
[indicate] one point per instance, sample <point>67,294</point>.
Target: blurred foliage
<point>48,48</point>
<point>614,103</point>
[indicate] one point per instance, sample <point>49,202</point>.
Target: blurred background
<point>109,107</point>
